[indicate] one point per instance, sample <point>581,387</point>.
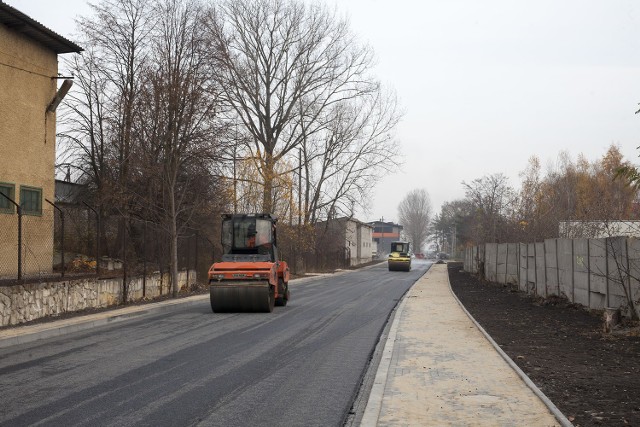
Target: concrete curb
<point>374,404</point>
<point>548,403</point>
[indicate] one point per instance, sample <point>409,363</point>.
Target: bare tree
<point>581,195</point>
<point>118,34</point>
<point>414,213</point>
<point>493,200</point>
<point>143,125</point>
<point>179,109</point>
<point>456,218</point>
<point>83,139</point>
<point>282,65</point>
<point>249,188</point>
<point>529,222</point>
<point>100,110</point>
<point>343,162</point>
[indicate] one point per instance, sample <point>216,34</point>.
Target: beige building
<point>28,87</point>
<point>355,236</point>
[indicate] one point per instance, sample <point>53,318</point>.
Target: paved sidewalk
<point>439,369</point>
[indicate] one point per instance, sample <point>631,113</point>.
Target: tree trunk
<point>173,235</point>
<point>268,173</point>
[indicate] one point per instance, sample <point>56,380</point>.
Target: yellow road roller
<point>399,257</point>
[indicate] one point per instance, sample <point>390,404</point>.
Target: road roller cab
<point>399,257</point>
<point>250,277</point>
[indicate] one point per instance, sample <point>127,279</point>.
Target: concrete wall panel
<point>590,272</point>
<point>465,261</point>
<point>512,263</point>
<point>581,271</point>
<point>540,269</point>
<point>551,266</point>
<point>502,251</point>
<point>522,271</point>
<point>565,266</point>
<point>528,262</point>
<point>598,266</point>
<point>634,268</point>
<point>618,270</point>
<point>473,259</point>
<point>598,300</point>
<point>491,259</point>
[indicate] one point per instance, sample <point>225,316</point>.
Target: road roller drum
<point>241,298</point>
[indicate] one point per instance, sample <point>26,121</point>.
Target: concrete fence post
<point>526,283</point>
<point>606,270</point>
<point>496,269</point>
<point>589,273</point>
<point>485,263</point>
<point>573,273</point>
<point>518,263</point>
<point>557,267</point>
<point>473,251</point>
<point>544,256</point>
<point>476,258</point>
<point>535,268</point>
<point>506,266</point>
<point>628,269</point>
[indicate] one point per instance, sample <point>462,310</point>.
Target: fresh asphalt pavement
<point>184,365</point>
<point>434,365</point>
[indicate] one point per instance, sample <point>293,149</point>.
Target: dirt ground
<point>592,377</point>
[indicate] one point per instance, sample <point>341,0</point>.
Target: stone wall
<point>23,303</point>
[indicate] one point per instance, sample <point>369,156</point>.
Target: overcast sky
<point>484,84</point>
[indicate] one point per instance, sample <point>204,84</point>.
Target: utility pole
<point>299,187</point>
<point>455,237</point>
<point>299,210</point>
<point>381,237</point>
<point>235,180</point>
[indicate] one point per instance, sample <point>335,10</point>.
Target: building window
<point>8,190</point>
<point>31,200</point>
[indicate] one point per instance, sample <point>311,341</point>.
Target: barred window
<point>5,205</point>
<point>31,200</point>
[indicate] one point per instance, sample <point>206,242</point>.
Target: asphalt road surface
<point>301,365</point>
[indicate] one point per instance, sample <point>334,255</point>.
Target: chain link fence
<point>28,246</point>
<point>73,241</point>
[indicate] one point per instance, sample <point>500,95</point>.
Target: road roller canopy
<point>253,234</point>
<point>401,247</point>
